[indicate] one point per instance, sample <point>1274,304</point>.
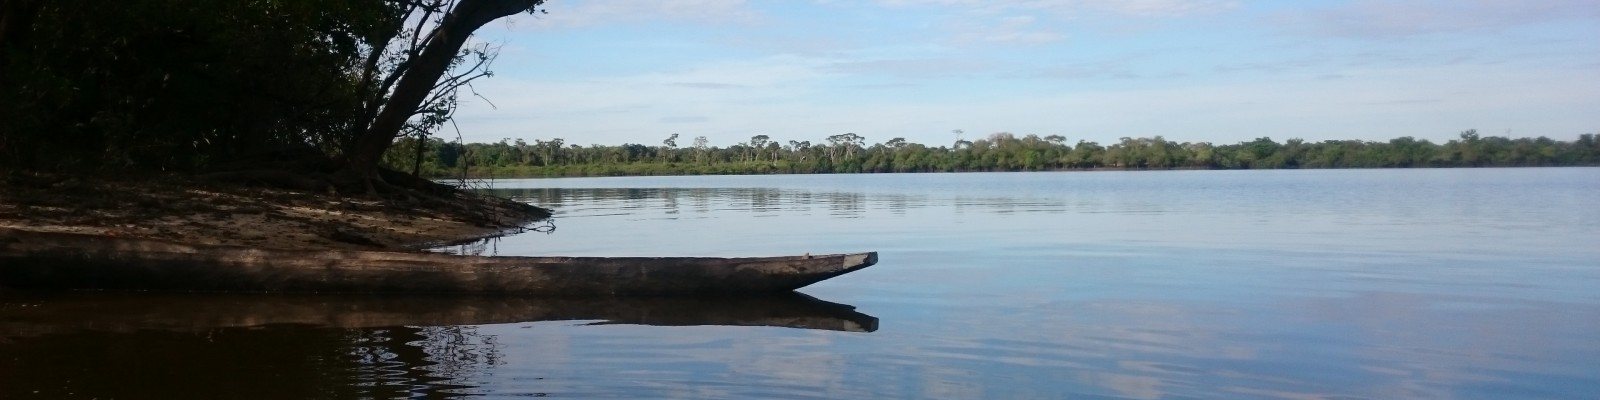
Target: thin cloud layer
<point>1015,30</point>
<point>1377,19</point>
<point>614,71</point>
<point>587,13</point>
<point>1140,8</point>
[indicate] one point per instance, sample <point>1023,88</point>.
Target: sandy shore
<point>185,211</point>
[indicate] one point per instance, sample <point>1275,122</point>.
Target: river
<point>1415,283</point>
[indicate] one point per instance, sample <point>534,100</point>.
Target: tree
<point>1201,155</point>
<point>174,84</point>
<point>700,148</point>
<point>799,149</point>
<point>896,143</point>
<point>1086,154</point>
<point>671,146</point>
<point>421,70</point>
<point>1470,149</point>
<point>757,143</point>
<point>834,142</point>
<point>1057,140</point>
<point>773,149</point>
<point>852,142</point>
<point>549,151</point>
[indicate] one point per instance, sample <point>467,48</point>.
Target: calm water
<point>1463,283</point>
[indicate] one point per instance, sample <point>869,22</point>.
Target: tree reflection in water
<point>274,362</point>
<point>428,361</point>
<point>135,346</point>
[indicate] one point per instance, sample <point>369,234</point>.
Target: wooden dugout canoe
<point>45,260</point>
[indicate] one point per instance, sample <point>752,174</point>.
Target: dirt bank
<point>189,210</point>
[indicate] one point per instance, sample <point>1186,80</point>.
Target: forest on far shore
<point>850,153</point>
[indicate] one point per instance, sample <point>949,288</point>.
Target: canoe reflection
<point>32,314</point>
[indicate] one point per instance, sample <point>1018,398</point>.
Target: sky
<point>633,71</point>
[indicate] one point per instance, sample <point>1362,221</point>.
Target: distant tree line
<point>850,153</point>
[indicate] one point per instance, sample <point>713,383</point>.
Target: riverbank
<point>996,153</point>
<point>188,210</point>
<point>784,168</point>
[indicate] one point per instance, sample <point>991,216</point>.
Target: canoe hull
<point>41,260</point>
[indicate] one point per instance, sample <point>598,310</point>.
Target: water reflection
<point>670,203</point>
<point>37,314</point>
<point>1256,284</point>
<point>139,345</point>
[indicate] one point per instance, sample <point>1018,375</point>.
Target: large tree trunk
<point>368,147</point>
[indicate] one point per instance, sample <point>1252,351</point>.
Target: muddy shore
<point>186,210</point>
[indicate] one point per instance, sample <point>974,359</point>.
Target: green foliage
<point>1003,151</point>
<point>189,84</point>
<point>173,83</point>
<point>201,84</point>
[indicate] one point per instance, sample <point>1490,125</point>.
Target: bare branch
<point>416,32</point>
<point>474,91</point>
<point>486,56</point>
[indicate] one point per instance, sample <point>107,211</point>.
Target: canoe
<point>49,260</point>
<point>40,313</point>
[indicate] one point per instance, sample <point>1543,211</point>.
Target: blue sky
<point>635,71</point>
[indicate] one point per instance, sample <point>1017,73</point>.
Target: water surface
<point>1452,283</point>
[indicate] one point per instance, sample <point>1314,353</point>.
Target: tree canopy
<point>849,153</point>
<point>201,85</point>
<point>195,85</point>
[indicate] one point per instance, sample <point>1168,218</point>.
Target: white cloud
<point>1017,29</point>
<point>1118,68</point>
<point>790,99</point>
<point>911,67</point>
<point>1389,18</point>
<point>726,99</point>
<point>979,78</point>
<point>1159,8</point>
<point>581,13</point>
<point>1141,8</point>
<point>1035,22</point>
